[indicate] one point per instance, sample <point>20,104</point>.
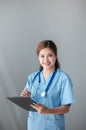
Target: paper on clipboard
<point>23,102</point>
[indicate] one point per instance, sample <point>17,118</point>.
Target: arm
<point>44,110</point>
<point>60,110</point>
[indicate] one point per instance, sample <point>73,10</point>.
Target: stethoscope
<point>44,93</point>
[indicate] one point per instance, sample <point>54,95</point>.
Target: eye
<point>42,56</point>
<point>50,55</point>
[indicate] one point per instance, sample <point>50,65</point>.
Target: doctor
<point>52,90</point>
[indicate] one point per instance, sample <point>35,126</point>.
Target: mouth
<point>46,64</point>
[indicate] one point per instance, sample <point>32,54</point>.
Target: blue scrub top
<point>60,93</point>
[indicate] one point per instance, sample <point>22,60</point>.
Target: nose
<point>46,58</point>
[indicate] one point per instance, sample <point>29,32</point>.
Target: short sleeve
<point>67,94</point>
<point>30,79</point>
<point>28,83</point>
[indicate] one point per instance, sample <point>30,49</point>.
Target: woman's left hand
<point>40,108</point>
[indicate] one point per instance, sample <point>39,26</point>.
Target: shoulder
<point>63,75</point>
<point>32,75</point>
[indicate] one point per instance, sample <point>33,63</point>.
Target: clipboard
<point>23,102</point>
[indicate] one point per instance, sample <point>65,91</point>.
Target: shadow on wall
<point>1,125</point>
<point>9,114</point>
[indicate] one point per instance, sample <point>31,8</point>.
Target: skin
<point>47,59</point>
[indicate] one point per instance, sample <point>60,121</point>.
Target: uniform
<point>60,92</point>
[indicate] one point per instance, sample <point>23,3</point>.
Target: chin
<point>47,67</point>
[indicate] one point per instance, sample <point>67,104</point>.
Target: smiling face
<point>47,58</point>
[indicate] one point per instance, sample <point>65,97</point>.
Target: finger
<point>25,92</point>
<point>26,89</point>
<point>34,105</point>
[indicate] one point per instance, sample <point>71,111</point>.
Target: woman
<point>50,88</point>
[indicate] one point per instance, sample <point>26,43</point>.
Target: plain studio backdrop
<point>23,23</point>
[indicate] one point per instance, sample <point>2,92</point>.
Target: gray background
<point>23,23</point>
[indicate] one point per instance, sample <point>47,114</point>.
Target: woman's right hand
<point>25,93</point>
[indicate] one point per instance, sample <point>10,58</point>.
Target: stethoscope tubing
<point>44,93</point>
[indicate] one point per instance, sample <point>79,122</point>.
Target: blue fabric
<point>59,93</point>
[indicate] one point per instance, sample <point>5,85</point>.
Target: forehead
<point>46,51</point>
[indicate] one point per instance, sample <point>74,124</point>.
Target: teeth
<point>46,64</point>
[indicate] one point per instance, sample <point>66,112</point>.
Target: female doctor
<point>51,89</point>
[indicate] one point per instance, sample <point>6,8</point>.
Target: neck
<point>46,72</point>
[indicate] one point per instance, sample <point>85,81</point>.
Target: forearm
<point>45,110</point>
<point>59,110</point>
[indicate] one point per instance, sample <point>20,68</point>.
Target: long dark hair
<point>48,44</point>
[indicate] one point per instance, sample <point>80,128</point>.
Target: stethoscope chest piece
<point>43,94</point>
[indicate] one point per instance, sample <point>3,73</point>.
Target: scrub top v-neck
<point>60,93</point>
